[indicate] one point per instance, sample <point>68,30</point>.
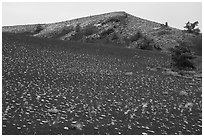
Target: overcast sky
<point>175,13</point>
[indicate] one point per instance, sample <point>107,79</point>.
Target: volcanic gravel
<point>69,91</point>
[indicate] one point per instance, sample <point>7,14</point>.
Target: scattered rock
<point>126,112</point>
<point>200,89</point>
<point>189,105</point>
<point>165,93</point>
<point>187,77</point>
<point>170,72</point>
<point>190,72</point>
<point>144,133</point>
<point>183,93</point>
<point>148,68</point>
<point>66,128</point>
<point>38,97</point>
<point>53,110</point>
<point>152,69</point>
<point>144,105</point>
<point>180,133</point>
<point>4,126</point>
<point>159,68</point>
<point>198,75</point>
<point>129,126</point>
<point>199,79</point>
<point>77,125</point>
<point>96,128</point>
<point>128,73</point>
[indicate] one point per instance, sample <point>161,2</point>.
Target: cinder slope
<point>116,27</point>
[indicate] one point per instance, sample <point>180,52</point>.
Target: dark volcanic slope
<point>121,24</point>
<point>55,87</point>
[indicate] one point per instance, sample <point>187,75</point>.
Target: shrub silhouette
<point>107,32</point>
<point>114,36</point>
<point>78,28</point>
<point>79,33</point>
<point>64,31</point>
<point>38,29</point>
<point>166,24</point>
<point>89,30</point>
<point>182,57</point>
<point>191,27</point>
<point>147,43</point>
<point>141,41</point>
<point>197,44</point>
<point>136,37</point>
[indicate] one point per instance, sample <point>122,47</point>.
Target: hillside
<point>115,27</point>
<point>54,87</point>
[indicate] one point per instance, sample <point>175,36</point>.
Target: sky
<point>175,13</point>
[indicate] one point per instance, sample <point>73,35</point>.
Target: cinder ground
<point>53,87</point>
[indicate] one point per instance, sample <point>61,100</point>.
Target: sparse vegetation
<point>89,30</point>
<point>136,36</point>
<point>192,27</point>
<point>114,36</point>
<point>164,32</point>
<point>38,29</point>
<point>166,24</point>
<point>116,19</point>
<point>182,57</point>
<point>142,42</point>
<point>78,28</point>
<point>196,44</point>
<point>79,33</point>
<point>65,30</point>
<point>113,19</point>
<point>147,43</point>
<point>107,32</point>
